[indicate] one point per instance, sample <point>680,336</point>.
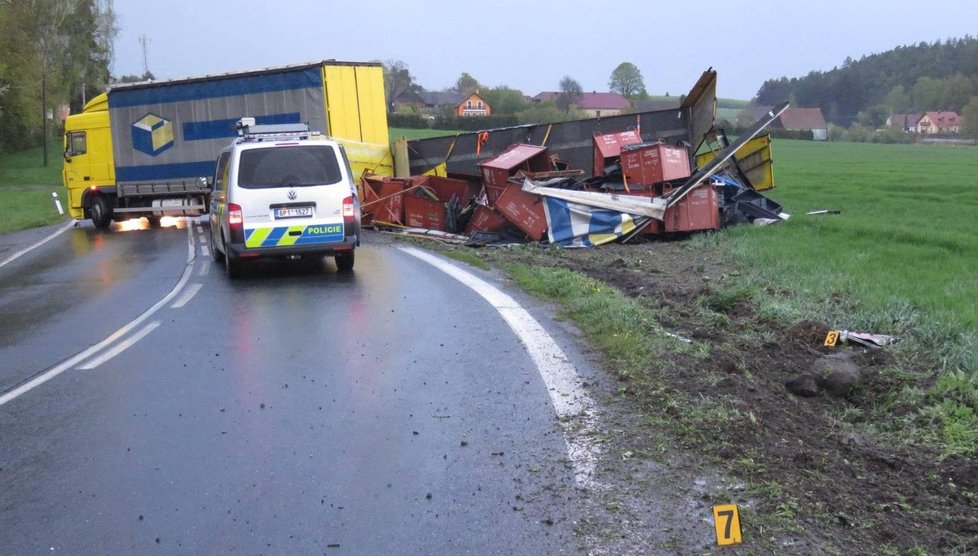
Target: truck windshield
<point>288,167</point>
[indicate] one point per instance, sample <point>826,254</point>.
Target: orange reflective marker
<point>726,519</point>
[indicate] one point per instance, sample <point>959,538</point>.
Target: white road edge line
<point>570,401</point>
<point>187,296</point>
<point>26,250</point>
<point>71,362</point>
<point>120,347</point>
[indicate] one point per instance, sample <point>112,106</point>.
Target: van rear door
<point>291,194</point>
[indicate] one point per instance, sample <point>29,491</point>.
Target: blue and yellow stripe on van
<point>284,236</point>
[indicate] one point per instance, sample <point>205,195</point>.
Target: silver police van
<point>283,191</point>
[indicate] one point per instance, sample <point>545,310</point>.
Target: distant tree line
<point>58,49</point>
<point>928,76</point>
<point>509,106</point>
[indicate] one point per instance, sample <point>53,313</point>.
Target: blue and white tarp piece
<point>572,224</point>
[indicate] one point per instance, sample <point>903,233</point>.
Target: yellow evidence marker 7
<point>726,519</point>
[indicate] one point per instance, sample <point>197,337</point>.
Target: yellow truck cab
<point>148,148</point>
<point>88,156</point>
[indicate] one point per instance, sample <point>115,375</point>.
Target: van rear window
<point>297,166</point>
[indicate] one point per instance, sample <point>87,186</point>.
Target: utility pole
<point>144,40</point>
<point>44,110</point>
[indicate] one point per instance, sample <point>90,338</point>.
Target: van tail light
<point>350,209</point>
<point>235,223</point>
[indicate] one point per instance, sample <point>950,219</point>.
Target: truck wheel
<point>344,261</point>
<point>232,265</point>
<point>101,212</point>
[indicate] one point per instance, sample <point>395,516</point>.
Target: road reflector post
<point>57,203</point>
<point>726,519</point>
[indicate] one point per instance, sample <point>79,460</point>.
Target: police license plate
<point>293,212</point>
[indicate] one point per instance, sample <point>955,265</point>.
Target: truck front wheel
<point>101,212</point>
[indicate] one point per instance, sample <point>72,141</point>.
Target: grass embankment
<point>901,259</point>
<point>26,186</point>
<point>869,469</point>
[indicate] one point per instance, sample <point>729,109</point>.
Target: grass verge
<point>27,206</point>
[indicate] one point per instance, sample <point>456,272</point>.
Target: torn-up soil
<point>806,468</point>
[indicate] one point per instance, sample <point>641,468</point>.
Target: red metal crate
<point>524,210</point>
<point>608,145</point>
<point>421,211</point>
<point>485,219</point>
<point>497,171</point>
<point>651,163</point>
<point>444,188</point>
<point>697,211</point>
<point>381,202</point>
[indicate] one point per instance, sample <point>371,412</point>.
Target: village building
<point>594,104</point>
<point>904,122</point>
<point>804,119</point>
<point>934,123</point>
<point>472,105</point>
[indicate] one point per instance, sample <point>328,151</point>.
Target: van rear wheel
<point>232,265</point>
<point>344,261</point>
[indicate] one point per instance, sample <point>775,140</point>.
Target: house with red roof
<point>594,104</point>
<point>933,123</point>
<point>904,122</point>
<point>804,119</point>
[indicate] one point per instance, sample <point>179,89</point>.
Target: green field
<point>904,245</point>
<point>901,259</point>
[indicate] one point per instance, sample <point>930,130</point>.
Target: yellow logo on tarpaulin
<point>152,134</point>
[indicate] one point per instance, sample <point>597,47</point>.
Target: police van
<point>283,191</point>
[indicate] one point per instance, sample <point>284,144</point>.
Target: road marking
<point>26,250</point>
<point>204,269</point>
<point>77,358</point>
<point>204,251</point>
<point>120,347</point>
<point>187,296</point>
<point>570,400</point>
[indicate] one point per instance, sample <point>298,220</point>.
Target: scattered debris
<point>637,188</point>
<point>866,339</point>
<point>824,211</point>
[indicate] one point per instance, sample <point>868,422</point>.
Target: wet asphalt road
<point>297,411</point>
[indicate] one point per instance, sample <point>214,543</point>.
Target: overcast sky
<point>531,44</point>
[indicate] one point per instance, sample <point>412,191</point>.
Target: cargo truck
<point>148,148</point>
